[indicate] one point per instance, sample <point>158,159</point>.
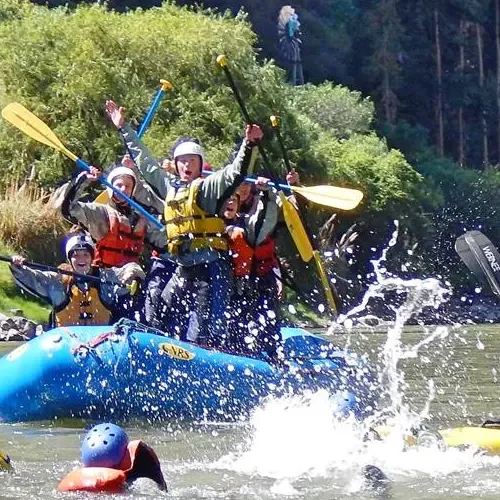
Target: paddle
<point>31,125</point>
<point>329,196</point>
<point>222,62</point>
<point>481,257</point>
<point>299,232</point>
<point>5,463</point>
<point>132,288</point>
<point>165,87</point>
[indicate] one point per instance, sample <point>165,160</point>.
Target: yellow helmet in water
<point>5,462</point>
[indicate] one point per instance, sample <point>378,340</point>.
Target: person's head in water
<point>80,252</point>
<point>230,209</point>
<point>124,179</point>
<point>104,445</point>
<point>189,159</point>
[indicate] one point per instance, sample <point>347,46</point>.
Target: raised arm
<point>219,186</point>
<point>148,165</point>
<point>93,216</point>
<point>262,219</point>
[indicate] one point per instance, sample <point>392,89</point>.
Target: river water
<point>293,450</point>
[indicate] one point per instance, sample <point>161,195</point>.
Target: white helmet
<point>190,148</point>
<point>119,172</point>
<point>79,242</point>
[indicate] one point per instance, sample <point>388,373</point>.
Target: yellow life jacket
<point>84,307</point>
<point>186,222</point>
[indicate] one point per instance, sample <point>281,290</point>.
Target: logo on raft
<point>176,352</point>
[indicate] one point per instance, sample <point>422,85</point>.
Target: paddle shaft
<point>140,210</point>
<point>153,108</point>
<point>275,124</point>
<point>45,267</point>
<point>221,60</point>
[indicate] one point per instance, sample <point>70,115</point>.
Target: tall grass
<point>29,225</point>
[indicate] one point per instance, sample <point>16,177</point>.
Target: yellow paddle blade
<point>5,463</point>
<point>304,246</point>
<point>102,198</point>
<point>31,125</point>
<point>296,228</point>
<point>324,281</point>
<point>331,196</point>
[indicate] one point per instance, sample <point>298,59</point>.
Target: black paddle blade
<point>481,257</point>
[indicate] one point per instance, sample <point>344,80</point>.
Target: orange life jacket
<point>258,261</point>
<point>104,479</point>
<point>84,307</point>
<point>94,479</point>
<point>123,243</point>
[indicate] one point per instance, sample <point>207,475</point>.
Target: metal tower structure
<point>289,39</point>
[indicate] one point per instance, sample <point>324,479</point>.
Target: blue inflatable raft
<point>129,372</point>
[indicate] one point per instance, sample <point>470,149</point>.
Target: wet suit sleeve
<point>45,285</point>
<point>121,276</point>
<point>147,164</point>
<point>219,186</point>
<point>92,216</point>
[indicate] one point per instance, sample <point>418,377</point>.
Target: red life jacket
<point>123,243</point>
<point>258,261</point>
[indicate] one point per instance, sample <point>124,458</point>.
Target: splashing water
<point>300,438</point>
<point>418,294</point>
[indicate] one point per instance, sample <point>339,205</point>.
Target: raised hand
<point>115,113</point>
<point>262,183</point>
<point>18,261</point>
<point>93,174</point>
<point>253,134</point>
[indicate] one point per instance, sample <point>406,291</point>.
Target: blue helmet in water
<point>104,446</point>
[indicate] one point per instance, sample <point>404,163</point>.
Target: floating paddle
<point>132,288</point>
<point>481,257</point>
<point>31,125</point>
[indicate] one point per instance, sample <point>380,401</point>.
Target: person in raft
<point>254,302</point>
<point>76,300</point>
<point>197,295</point>
<point>119,232</point>
<point>111,463</point>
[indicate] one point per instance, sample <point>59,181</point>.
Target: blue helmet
<point>104,446</point>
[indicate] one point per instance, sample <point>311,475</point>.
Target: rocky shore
<point>18,328</point>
